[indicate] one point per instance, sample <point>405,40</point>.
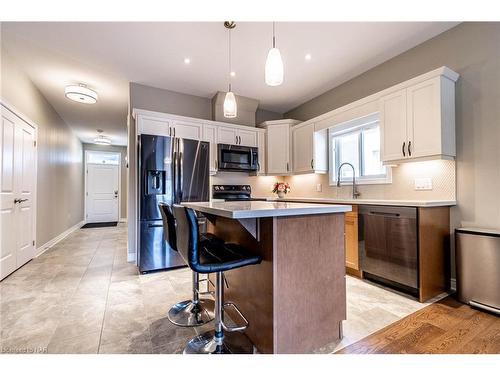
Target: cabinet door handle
<point>312,163</point>
<point>169,132</point>
<point>404,153</point>
<point>409,148</point>
<point>287,167</point>
<point>19,200</point>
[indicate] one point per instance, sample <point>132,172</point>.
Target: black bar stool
<point>196,311</point>
<point>209,257</point>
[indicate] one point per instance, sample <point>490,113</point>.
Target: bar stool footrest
<point>236,328</point>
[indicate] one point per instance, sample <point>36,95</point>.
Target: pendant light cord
<point>274,35</point>
<point>229,59</point>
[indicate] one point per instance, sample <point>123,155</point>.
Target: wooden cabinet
<point>351,242</point>
<point>309,149</point>
<point>418,122</point>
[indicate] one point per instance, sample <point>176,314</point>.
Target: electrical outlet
<point>423,183</point>
<point>319,188</point>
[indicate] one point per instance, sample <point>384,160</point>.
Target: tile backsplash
<point>442,173</point>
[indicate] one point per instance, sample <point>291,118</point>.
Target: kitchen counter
<point>258,209</point>
<point>381,202</point>
<point>301,276</point>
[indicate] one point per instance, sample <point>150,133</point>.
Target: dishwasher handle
<point>380,213</point>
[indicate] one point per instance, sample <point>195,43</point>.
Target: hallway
<point>81,296</point>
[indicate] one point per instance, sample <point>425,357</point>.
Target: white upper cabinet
<point>187,130</point>
<point>394,139</point>
<point>261,144</point>
<point>309,149</point>
<point>237,136</point>
<point>227,135</point>
<point>153,125</point>
<point>279,146</point>
<point>247,137</point>
<point>418,122</point>
<point>210,135</point>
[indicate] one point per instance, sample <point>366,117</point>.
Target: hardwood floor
<point>445,327</point>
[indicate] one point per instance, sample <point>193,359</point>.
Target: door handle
<point>312,163</point>
<point>409,148</point>
<point>18,200</point>
<point>239,138</point>
<point>116,193</point>
<point>404,154</point>
<point>236,139</point>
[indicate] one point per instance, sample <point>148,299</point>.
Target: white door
<point>278,149</point>
<point>303,148</point>
<point>17,184</point>
<point>226,135</point>
<point>247,138</point>
<point>102,193</point>
<point>393,127</point>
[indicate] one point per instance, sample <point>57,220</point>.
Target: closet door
<point>17,183</point>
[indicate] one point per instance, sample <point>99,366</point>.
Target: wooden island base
<point>295,300</point>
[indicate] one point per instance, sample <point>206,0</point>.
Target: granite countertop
<point>256,209</point>
<point>381,202</point>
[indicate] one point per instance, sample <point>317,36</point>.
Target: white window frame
<point>350,127</point>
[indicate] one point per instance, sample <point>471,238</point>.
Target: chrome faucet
<point>355,192</point>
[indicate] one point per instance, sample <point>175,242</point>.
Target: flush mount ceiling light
<point>80,93</point>
<point>101,139</point>
<point>230,107</point>
<point>274,65</point>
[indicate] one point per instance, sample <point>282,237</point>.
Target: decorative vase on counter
<point>281,188</point>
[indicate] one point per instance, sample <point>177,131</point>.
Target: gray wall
<point>123,151</point>
<point>472,50</point>
<point>60,168</point>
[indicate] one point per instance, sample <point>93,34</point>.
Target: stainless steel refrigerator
<point>171,170</point>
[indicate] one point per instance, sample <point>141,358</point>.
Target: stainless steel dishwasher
<point>388,246</point>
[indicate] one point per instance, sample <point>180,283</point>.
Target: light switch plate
<point>319,188</point>
<point>423,183</point>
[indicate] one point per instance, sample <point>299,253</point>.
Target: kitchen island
<point>295,300</point>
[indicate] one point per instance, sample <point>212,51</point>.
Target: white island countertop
<point>256,209</point>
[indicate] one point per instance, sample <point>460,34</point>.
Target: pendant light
<point>274,65</point>
<point>230,107</point>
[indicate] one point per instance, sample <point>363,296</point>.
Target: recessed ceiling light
<point>233,74</point>
<point>187,60</point>
<point>80,93</point>
<point>307,56</point>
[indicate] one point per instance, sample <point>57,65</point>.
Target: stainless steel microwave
<point>237,158</point>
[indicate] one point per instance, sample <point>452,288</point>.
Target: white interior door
<point>102,193</point>
<point>17,196</point>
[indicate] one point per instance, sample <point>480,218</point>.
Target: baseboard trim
<point>130,257</point>
<point>453,284</point>
<point>55,240</point>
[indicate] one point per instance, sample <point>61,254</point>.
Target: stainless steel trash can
<point>478,266</point>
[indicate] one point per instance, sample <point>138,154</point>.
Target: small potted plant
<point>281,188</point>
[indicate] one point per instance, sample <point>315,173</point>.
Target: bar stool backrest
<point>187,235</point>
<point>169,226</point>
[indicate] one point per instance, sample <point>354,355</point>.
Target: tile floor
<point>81,296</point>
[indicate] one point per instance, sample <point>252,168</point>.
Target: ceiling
<point>108,55</point>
